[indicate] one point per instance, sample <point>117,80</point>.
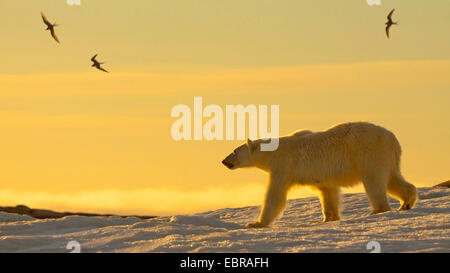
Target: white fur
<point>341,156</point>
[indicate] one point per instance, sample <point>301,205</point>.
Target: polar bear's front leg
<point>274,201</point>
<point>329,198</point>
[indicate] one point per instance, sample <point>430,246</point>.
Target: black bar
<point>227,262</point>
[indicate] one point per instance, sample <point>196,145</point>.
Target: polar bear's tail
<point>402,190</point>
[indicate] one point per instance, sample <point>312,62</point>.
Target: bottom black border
<point>227,262</point>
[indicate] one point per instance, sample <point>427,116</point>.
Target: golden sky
<point>75,138</point>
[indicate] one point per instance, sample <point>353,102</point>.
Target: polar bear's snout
<point>239,158</point>
<point>227,163</point>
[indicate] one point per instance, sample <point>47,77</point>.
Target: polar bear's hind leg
<point>405,192</point>
<point>375,186</point>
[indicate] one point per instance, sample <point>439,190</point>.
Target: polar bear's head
<point>241,157</point>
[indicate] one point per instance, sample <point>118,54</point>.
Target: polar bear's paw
<point>405,206</point>
<point>256,225</point>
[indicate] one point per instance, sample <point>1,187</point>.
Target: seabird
<point>50,27</point>
<point>389,23</point>
<point>97,64</point>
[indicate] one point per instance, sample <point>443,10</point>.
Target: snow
<point>422,229</point>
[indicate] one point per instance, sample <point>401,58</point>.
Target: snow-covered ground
<point>426,228</point>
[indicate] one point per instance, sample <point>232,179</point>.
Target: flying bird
<point>96,64</point>
<point>50,27</point>
<point>389,23</point>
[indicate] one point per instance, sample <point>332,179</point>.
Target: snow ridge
<point>422,229</point>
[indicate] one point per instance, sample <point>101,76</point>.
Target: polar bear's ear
<point>251,145</point>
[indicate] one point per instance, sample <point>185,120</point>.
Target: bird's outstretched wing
<point>387,30</point>
<point>45,19</point>
<point>389,17</point>
<point>100,68</point>
<point>54,35</point>
<point>93,58</point>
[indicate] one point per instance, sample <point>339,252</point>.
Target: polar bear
<point>341,156</point>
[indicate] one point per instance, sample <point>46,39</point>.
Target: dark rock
<point>445,184</point>
<point>48,214</point>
